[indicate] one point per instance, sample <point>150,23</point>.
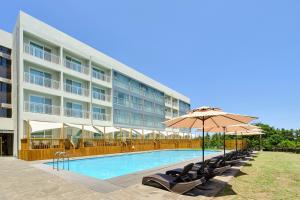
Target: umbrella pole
<point>236,144</point>
<point>224,141</point>
<point>203,141</point>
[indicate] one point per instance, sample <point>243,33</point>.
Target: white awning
<point>126,129</point>
<point>74,125</point>
<point>91,129</point>
<point>85,127</point>
<point>43,126</point>
<point>108,129</point>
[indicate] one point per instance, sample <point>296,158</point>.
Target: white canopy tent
<point>37,126</point>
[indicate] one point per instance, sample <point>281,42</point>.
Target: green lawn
<point>271,175</point>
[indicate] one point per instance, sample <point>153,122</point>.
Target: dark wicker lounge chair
<point>179,184</point>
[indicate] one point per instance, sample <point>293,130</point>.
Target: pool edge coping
<point>116,183</point>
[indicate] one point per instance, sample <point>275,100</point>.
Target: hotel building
<point>56,78</point>
<point>6,122</point>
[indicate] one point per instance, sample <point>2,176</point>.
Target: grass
<point>270,175</point>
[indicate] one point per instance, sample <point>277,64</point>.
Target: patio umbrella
<point>251,132</point>
<point>233,128</point>
<point>204,117</point>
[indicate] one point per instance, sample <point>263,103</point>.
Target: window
<point>5,93</point>
<point>148,106</point>
<point>99,93</point>
<point>47,53</point>
<point>5,50</point>
<point>3,61</point>
<point>5,112</point>
<point>99,113</point>
<point>73,87</point>
<point>121,80</point>
<point>121,98</point>
<point>136,103</point>
<point>137,119</point>
<point>40,104</point>
<point>36,50</point>
<point>40,78</point>
<point>73,64</point>
<point>98,74</point>
<point>5,68</point>
<point>135,87</point>
<point>121,116</point>
<point>74,109</point>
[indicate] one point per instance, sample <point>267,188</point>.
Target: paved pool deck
<point>33,180</point>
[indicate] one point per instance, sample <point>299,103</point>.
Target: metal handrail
<point>76,66</point>
<point>41,108</point>
<point>39,53</point>
<point>78,113</point>
<point>42,81</point>
<point>100,76</point>
<point>60,155</point>
<point>76,90</point>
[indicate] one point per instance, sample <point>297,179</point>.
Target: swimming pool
<point>107,167</point>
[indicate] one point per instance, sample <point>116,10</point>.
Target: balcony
<point>76,66</point>
<point>101,117</point>
<point>121,102</point>
<point>168,102</point>
<point>39,53</point>
<point>102,97</point>
<point>169,114</point>
<point>41,108</point>
<point>41,81</point>
<point>175,104</point>
<point>5,55</point>
<point>5,97</point>
<point>76,113</point>
<point>76,90</point>
<point>102,77</point>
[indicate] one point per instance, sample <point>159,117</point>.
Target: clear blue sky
<point>242,56</point>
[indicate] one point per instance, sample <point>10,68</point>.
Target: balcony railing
<point>76,113</point>
<point>122,102</point>
<point>102,97</point>
<point>4,55</point>
<point>101,116</point>
<point>42,81</point>
<point>168,102</point>
<point>41,108</point>
<point>76,66</point>
<point>76,90</point>
<point>5,97</point>
<point>39,53</point>
<point>169,114</point>
<point>175,104</point>
<point>101,76</point>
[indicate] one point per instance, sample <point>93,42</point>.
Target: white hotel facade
<point>56,78</point>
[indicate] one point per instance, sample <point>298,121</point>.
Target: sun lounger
<point>179,184</point>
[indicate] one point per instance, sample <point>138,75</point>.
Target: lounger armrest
<point>174,172</point>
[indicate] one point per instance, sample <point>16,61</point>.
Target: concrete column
<point>90,91</point>
<point>61,84</point>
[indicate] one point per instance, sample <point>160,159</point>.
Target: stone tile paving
<point>20,180</point>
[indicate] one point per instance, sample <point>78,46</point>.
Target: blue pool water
<point>117,165</point>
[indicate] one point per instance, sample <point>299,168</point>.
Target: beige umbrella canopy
<point>233,129</point>
<point>213,117</point>
<point>245,133</point>
<point>204,117</point>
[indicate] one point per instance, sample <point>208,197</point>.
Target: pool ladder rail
<point>61,156</point>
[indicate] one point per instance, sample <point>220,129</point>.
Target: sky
<point>241,56</point>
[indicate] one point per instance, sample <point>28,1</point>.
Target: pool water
<point>107,167</point>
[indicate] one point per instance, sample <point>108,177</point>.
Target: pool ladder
<point>60,155</point>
